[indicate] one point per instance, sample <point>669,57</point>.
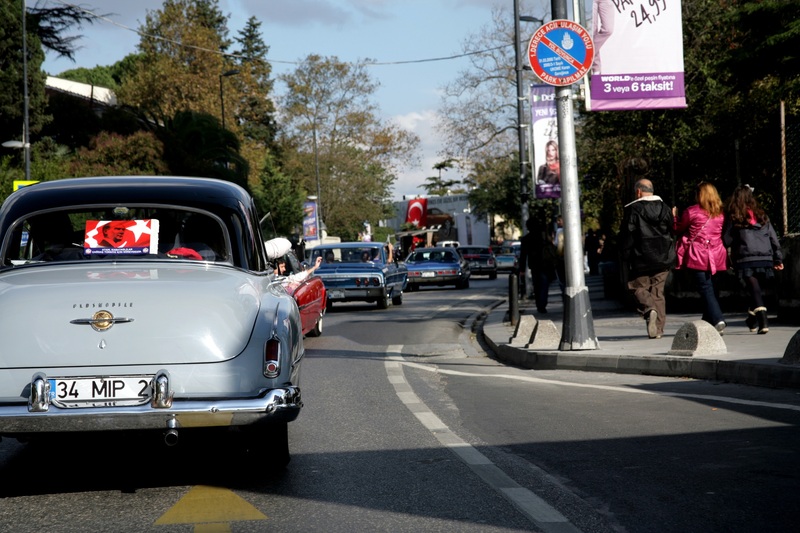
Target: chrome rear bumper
<point>164,412</point>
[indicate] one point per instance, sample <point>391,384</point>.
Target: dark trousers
<point>708,294</point>
<point>541,289</point>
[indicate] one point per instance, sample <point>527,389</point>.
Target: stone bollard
<point>524,330</point>
<point>697,338</point>
<point>545,336</point>
<point>792,354</point>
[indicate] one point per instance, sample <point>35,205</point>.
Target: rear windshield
<point>117,233</point>
<point>442,256</point>
<point>331,255</point>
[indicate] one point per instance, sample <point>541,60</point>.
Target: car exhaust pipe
<point>171,437</point>
<point>171,434</point>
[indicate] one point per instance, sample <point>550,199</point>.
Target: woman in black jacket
<point>755,250</point>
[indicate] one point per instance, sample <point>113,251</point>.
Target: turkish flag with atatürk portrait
<point>417,212</point>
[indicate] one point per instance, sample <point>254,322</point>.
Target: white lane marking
<point>547,518</point>
<point>613,388</point>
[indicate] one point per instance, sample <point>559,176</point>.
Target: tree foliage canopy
<point>333,138</point>
<point>740,62</point>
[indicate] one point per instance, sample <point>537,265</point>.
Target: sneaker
<point>720,327</point>
<point>652,328</point>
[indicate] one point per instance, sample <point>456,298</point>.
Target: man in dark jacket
<point>649,253</point>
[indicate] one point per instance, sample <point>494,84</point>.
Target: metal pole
<point>222,101</point>
<point>523,180</point>
<point>26,142</point>
<point>783,169</point>
<point>578,328</point>
<point>316,174</point>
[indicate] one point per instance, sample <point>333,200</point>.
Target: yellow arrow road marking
<point>211,506</point>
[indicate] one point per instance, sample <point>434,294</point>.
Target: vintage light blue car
<point>361,271</point>
<point>148,304</point>
<point>438,266</point>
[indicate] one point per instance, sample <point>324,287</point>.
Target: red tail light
<point>272,355</point>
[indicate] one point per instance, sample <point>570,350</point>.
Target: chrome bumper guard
<point>163,412</point>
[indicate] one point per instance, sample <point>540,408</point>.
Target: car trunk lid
<point>161,314</point>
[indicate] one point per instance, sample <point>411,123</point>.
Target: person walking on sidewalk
<point>700,249</point>
<point>755,250</point>
<point>538,253</point>
<point>648,253</point>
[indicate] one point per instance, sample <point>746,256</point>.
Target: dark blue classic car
<point>361,271</point>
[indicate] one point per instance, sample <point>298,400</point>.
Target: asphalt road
<point>408,426</point>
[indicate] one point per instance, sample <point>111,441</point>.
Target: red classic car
<point>307,289</point>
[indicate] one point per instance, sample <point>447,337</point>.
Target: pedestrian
<point>648,253</point>
<point>755,251</point>
<point>701,250</point>
<point>593,247</point>
<point>538,253</point>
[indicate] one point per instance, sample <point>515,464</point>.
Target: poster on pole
<point>310,229</point>
<point>638,61</point>
<point>544,133</point>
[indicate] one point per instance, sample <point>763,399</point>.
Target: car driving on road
<point>146,304</point>
<point>438,266</point>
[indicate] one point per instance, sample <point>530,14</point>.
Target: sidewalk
<point>624,347</point>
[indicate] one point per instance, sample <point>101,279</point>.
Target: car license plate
<point>335,295</point>
<point>101,391</point>
<point>428,274</point>
<point>473,264</point>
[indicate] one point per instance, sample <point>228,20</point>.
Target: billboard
<point>544,132</point>
<point>638,61</point>
<point>310,229</point>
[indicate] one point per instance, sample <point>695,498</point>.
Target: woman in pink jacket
<point>700,248</point>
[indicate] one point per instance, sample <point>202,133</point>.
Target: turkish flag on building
<point>417,213</point>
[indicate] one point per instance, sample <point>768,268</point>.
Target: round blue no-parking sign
<point>561,52</point>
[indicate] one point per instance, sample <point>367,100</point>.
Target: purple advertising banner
<point>546,162</point>
<point>638,55</point>
<point>310,222</point>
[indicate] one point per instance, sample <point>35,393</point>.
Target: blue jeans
<point>708,294</point>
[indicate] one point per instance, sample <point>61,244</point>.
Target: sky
<point>387,31</point>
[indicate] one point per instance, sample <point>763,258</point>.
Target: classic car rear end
<point>177,324</point>
<point>361,271</point>
<point>437,266</point>
<point>507,257</point>
<point>481,260</point>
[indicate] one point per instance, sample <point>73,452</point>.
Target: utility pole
<point>578,328</point>
<point>523,176</point>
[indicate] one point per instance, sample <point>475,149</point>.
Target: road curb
<point>497,334</point>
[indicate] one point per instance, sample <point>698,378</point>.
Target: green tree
<point>332,134</point>
<point>112,154</point>
<point>277,195</point>
<point>99,76</point>
<point>175,70</point>
<point>195,144</point>
<point>255,109</point>
<point>438,186</point>
<point>727,134</point>
<point>12,101</point>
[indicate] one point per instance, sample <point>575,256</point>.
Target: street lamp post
<point>222,93</point>
<point>521,99</point>
<point>25,135</point>
<point>523,180</point>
